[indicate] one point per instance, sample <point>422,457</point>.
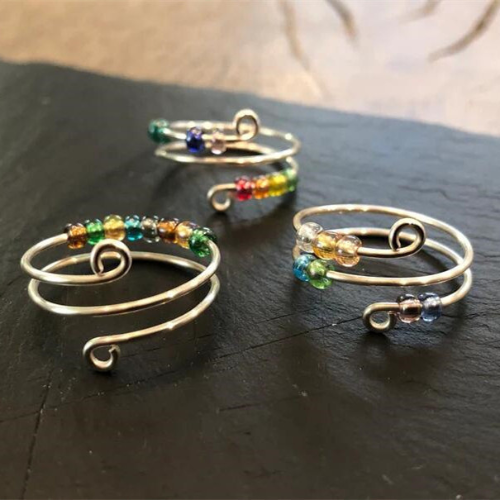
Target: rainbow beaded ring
<point>107,237</point>
<point>317,251</point>
<point>206,142</point>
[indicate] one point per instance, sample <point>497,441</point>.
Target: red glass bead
<point>244,188</point>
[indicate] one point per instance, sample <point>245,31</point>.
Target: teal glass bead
<point>133,227</point>
<point>149,229</point>
<point>316,271</point>
<point>198,241</point>
<point>300,266</point>
<point>95,231</point>
<point>157,131</point>
<point>432,308</point>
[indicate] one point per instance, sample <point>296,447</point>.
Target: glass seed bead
<point>133,227</point>
<point>347,250</point>
<point>149,229</point>
<point>157,130</point>
<point>306,235</point>
<point>432,307</point>
<point>218,142</point>
<point>244,188</point>
<point>300,266</point>
<point>292,179</point>
<point>316,271</point>
<point>261,187</point>
<point>277,184</point>
<point>166,229</point>
<point>325,244</point>
<point>410,308</point>
<point>95,231</point>
<point>194,140</point>
<point>77,235</point>
<point>183,232</point>
<point>198,241</point>
<point>114,227</point>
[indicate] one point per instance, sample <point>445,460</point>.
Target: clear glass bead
<point>306,235</point>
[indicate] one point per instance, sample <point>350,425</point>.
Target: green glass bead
<point>157,131</point>
<point>198,241</point>
<point>95,231</point>
<point>316,271</point>
<point>292,179</point>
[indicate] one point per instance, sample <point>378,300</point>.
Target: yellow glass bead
<point>261,187</point>
<point>114,227</point>
<point>325,244</point>
<point>347,250</point>
<point>278,184</point>
<point>77,236</point>
<point>183,232</point>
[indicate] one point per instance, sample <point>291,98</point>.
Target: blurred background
<point>429,60</point>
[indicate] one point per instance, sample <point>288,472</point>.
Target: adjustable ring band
<point>106,238</point>
<point>345,248</point>
<point>206,142</point>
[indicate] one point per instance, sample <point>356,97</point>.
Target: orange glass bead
<point>166,229</point>
<point>261,187</point>
<point>325,244</point>
<point>278,184</point>
<point>114,227</point>
<point>347,250</point>
<point>183,232</point>
<point>77,236</point>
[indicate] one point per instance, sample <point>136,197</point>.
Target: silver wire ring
<point>110,249</point>
<point>189,141</point>
<point>407,308</point>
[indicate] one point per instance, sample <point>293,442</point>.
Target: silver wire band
<point>237,136</point>
<point>396,235</point>
<point>116,250</point>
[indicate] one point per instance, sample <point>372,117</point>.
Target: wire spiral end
<point>101,365</point>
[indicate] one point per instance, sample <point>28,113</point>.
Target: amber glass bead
<point>325,244</point>
<point>410,308</point>
<point>77,236</point>
<point>183,232</point>
<point>261,187</point>
<point>347,250</point>
<point>278,184</point>
<point>114,227</point>
<point>166,229</point>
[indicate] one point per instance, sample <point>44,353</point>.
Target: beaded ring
<point>205,142</point>
<point>107,240</point>
<point>344,247</point>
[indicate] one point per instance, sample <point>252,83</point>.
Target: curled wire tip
<point>387,310</point>
<point>101,365</point>
<point>224,191</point>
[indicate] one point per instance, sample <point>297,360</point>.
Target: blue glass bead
<point>133,227</point>
<point>157,131</point>
<point>194,140</point>
<point>432,307</point>
<point>300,265</point>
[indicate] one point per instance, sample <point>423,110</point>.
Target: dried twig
<point>346,17</point>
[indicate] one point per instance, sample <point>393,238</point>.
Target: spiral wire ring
<point>198,136</point>
<point>112,249</point>
<point>405,238</point>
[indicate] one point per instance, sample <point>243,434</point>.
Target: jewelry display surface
<point>277,390</point>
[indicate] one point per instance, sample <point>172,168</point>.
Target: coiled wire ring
<point>200,240</point>
<point>317,250</point>
<point>206,142</point>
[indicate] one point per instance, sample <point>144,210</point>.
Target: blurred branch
<point>346,17</point>
<point>426,10</point>
<point>481,25</point>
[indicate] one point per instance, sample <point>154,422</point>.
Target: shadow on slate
<point>277,391</point>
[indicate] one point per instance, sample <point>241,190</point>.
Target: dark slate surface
<point>277,391</point>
